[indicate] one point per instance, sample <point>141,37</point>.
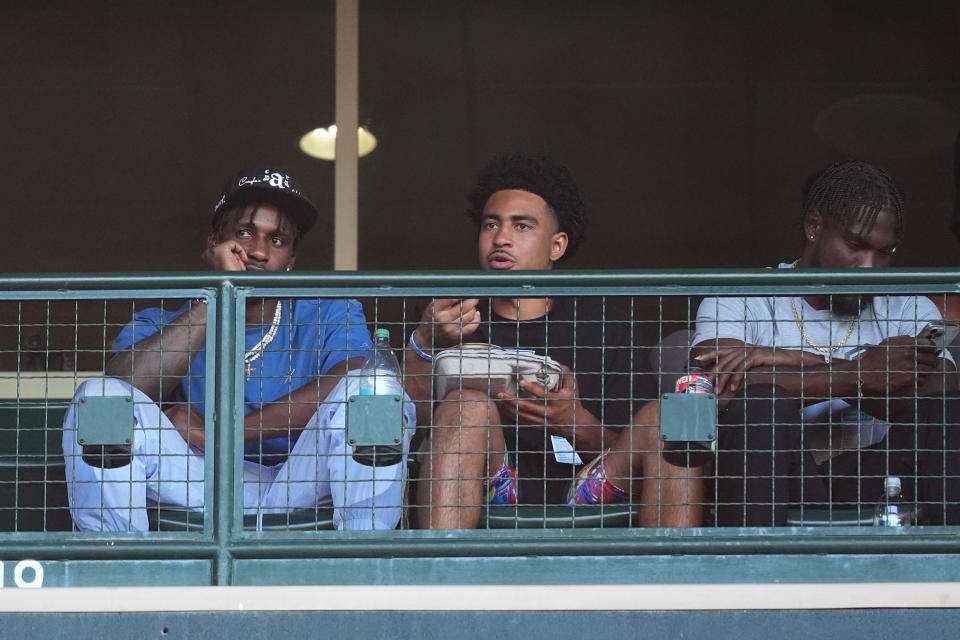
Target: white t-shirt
<point>770,322</point>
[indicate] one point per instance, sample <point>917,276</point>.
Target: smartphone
<point>941,332</point>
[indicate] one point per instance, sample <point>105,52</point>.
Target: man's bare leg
<point>466,448</point>
<point>670,496</point>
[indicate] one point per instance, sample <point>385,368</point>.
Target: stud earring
<point>289,267</point>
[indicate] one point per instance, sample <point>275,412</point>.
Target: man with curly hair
<point>572,445</point>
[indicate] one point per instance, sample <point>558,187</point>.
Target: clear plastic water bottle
<point>380,376</point>
<point>691,454</point>
<point>891,511</point>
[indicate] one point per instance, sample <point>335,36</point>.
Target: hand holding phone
<point>940,332</point>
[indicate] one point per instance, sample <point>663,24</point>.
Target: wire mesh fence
<point>518,412</point>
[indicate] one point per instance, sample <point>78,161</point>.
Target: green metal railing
<point>226,553</point>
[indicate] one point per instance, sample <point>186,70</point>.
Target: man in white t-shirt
<point>822,396</point>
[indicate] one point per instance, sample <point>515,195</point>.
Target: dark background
<point>691,125</point>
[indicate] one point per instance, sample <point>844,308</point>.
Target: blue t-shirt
<point>312,337</point>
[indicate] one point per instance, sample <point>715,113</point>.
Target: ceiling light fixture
<point>322,142</point>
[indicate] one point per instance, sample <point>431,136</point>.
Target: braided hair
<point>853,191</point>
<point>542,177</point>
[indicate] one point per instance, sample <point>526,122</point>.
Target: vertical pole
<point>347,118</point>
<point>229,416</point>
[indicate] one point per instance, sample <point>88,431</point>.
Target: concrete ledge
<point>667,597</point>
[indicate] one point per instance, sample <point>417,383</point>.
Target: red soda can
<point>695,381</point>
<point>691,453</point>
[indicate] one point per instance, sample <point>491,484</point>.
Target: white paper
<point>563,451</point>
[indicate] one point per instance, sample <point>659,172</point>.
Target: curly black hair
<point>852,191</point>
<point>540,176</point>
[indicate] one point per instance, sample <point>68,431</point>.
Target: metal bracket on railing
<point>688,428</point>
<point>375,426</point>
<point>105,430</point>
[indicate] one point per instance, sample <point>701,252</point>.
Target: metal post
<point>347,117</point>
<point>229,418</point>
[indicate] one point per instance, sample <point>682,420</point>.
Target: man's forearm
<point>890,369</point>
<point>289,414</point>
<point>847,379</point>
<point>157,363</point>
<point>818,382</point>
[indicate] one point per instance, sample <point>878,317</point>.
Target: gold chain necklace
<point>826,351</point>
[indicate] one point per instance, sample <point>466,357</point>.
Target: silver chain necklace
<point>250,356</point>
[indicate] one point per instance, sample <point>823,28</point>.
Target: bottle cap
<point>892,482</point>
<point>381,333</point>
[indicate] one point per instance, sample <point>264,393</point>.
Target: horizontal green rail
<point>613,282</point>
<point>224,542</point>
